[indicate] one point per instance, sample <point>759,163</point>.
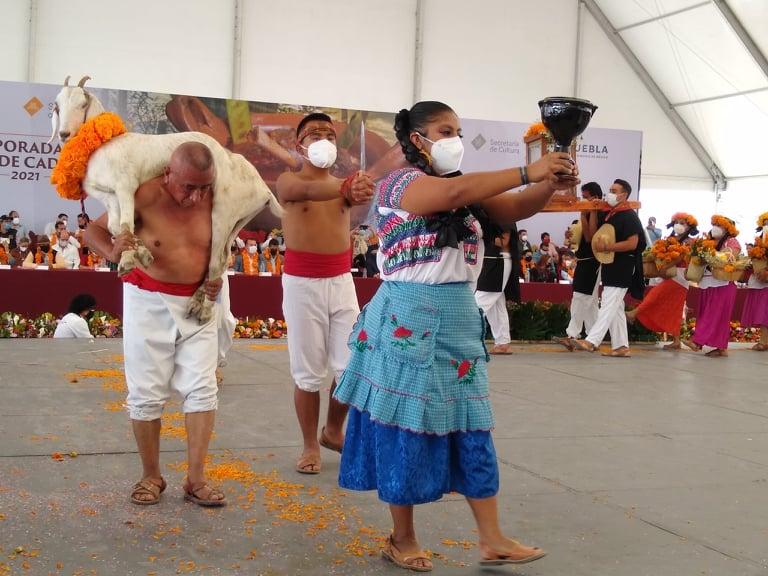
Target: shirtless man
<point>319,299</point>
<point>165,350</point>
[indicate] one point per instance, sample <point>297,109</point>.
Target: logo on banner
<point>597,151</point>
<point>33,106</point>
<point>478,141</point>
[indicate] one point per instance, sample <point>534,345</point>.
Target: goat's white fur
<point>117,169</point>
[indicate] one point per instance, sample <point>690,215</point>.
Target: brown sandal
<point>308,464</point>
<point>566,341</point>
<point>190,495</point>
<point>585,345</point>
<point>147,487</point>
<point>325,443</point>
<point>406,561</point>
<point>760,347</point>
<point>717,353</point>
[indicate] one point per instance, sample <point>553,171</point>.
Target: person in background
<point>716,297</point>
<point>567,267</point>
<point>5,254</point>
<point>271,261</point>
<point>547,247</point>
<point>7,232</point>
<point>16,224</point>
<point>50,228</point>
<point>653,233</point>
<point>624,274</point>
<point>20,253</point>
<point>492,285</point>
<point>74,324</point>
<point>523,245</point>
<point>526,264</point>
<point>584,302</point>
<point>250,257</point>
<point>755,311</point>
<point>371,257</point>
<point>38,254</point>
<point>65,254</point>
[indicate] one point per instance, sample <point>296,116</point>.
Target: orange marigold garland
<point>726,224</point>
<point>685,217</point>
<point>762,220</point>
<point>759,250</point>
<point>670,252</point>
<point>70,170</point>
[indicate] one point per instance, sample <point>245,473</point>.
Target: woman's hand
<point>549,166</point>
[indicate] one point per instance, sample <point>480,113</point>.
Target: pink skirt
<point>713,322</point>
<point>755,311</point>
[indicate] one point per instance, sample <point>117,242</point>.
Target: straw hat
<point>608,232</point>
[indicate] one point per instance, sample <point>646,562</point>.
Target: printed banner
<point>264,134</point>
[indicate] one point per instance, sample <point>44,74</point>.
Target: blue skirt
<point>409,468</point>
<point>417,383</point>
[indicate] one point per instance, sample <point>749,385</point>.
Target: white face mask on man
<point>253,249</point>
<point>321,154</point>
<point>680,229</point>
<point>611,198</point>
<point>717,232</point>
<point>446,153</point>
<point>16,221</point>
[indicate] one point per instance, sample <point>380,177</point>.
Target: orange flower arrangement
<point>762,220</point>
<point>669,252</point>
<point>701,248</point>
<point>726,224</point>
<point>685,217</point>
<point>70,170</point>
<point>536,129</point>
<point>760,249</point>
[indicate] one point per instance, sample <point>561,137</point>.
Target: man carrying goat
<point>164,349</point>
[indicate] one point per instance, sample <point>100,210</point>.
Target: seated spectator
<point>567,266</point>
<point>271,260</point>
<point>16,224</point>
<point>50,228</point>
<point>38,255</point>
<point>547,247</point>
<point>59,226</point>
<point>65,254</point>
<point>522,242</point>
<point>7,232</point>
<point>526,264</point>
<point>250,255</point>
<point>5,254</point>
<point>359,265</point>
<point>20,253</point>
<point>544,270</point>
<point>235,260</point>
<point>75,321</point>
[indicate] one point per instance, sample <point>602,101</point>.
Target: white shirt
<point>72,326</point>
<point>70,255</point>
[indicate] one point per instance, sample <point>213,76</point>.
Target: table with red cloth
<point>32,292</point>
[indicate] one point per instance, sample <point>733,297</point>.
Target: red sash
<point>142,280</point>
<point>311,265</point>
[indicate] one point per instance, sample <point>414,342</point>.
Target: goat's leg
<point>124,194</point>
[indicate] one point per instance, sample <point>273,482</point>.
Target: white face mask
<point>446,154</point>
<point>16,221</point>
<point>321,154</point>
<point>611,198</point>
<point>717,232</point>
<point>524,238</point>
<point>253,249</point>
<point>23,248</point>
<point>680,229</point>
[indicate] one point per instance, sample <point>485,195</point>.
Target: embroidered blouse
<point>408,243</point>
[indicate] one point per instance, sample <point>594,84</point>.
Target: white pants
<point>494,305</point>
<point>320,313</point>
<point>584,309</point>
<point>164,351</point>
<point>611,317</point>
<point>227,321</point>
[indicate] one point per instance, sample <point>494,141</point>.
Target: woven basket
<point>695,272</point>
<point>721,274</point>
<point>759,265</point>
<point>650,270</point>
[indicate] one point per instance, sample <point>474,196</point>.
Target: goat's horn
<point>83,80</point>
<point>66,81</point>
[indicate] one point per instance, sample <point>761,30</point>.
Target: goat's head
<point>73,106</point>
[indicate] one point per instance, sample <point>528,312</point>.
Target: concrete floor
<point>655,465</point>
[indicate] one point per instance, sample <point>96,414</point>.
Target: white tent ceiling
<point>708,60</point>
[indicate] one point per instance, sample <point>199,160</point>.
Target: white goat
<point>117,169</point>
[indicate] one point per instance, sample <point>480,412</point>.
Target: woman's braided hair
<point>415,120</point>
